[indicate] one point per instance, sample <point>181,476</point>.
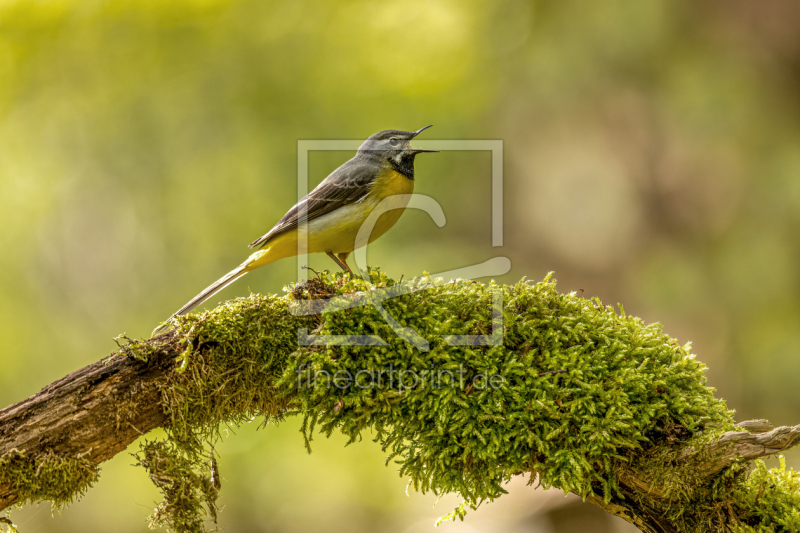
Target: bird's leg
<point>343,259</point>
<point>340,263</point>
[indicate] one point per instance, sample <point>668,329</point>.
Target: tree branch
<point>737,445</point>
<point>93,413</point>
<point>589,401</point>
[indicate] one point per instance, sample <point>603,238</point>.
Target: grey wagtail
<point>335,209</point>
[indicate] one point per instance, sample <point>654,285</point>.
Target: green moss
<point>769,499</point>
<point>189,486</point>
<point>227,370</point>
<point>577,395</point>
<point>134,348</point>
<point>46,477</point>
<point>672,485</point>
<point>624,383</point>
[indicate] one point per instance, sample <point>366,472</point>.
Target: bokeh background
<point>652,158</point>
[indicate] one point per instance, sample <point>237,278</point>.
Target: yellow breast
<point>389,183</point>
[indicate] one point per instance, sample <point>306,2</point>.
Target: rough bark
<point>94,412</point>
<point>760,440</point>
<point>746,445</point>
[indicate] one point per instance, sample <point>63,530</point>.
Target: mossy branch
<point>576,396</point>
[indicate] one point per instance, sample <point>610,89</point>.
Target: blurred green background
<point>652,157</point>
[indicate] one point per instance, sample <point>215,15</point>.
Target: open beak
<point>421,130</point>
<point>420,150</point>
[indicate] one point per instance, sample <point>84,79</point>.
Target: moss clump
<point>769,500</point>
<point>231,359</point>
<point>672,482</point>
<point>138,349</point>
<point>190,487</point>
<point>46,477</point>
<point>479,415</point>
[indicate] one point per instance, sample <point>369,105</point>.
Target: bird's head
<point>394,147</point>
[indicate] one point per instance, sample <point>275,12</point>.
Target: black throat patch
<point>405,166</point>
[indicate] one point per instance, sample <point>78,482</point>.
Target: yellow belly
<point>338,231</point>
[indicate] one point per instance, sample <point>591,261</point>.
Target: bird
<point>335,210</point>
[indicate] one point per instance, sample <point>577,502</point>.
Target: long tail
<point>213,289</point>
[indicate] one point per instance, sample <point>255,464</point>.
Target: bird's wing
<point>347,184</point>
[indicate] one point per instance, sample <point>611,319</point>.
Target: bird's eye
<point>393,142</point>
